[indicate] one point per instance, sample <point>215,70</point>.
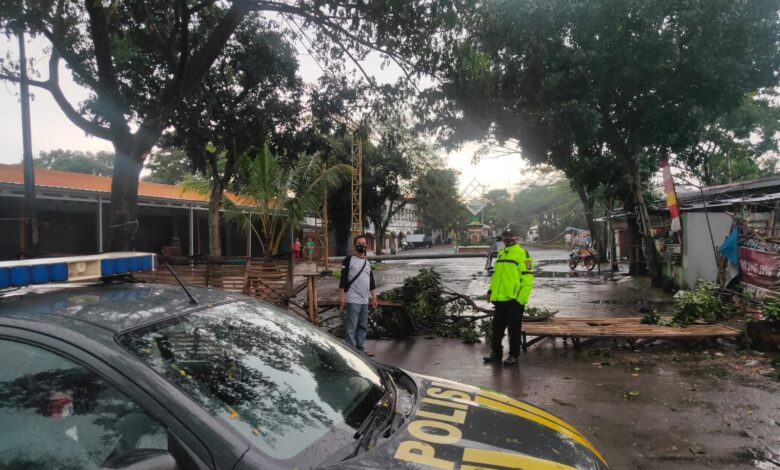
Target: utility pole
<point>31,221</point>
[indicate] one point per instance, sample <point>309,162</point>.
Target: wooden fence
<point>268,279</point>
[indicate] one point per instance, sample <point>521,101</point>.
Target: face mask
<point>509,242</point>
<point>360,248</point>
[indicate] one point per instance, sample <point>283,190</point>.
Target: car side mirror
<point>143,459</point>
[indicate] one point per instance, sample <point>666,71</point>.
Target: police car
<point>101,372</point>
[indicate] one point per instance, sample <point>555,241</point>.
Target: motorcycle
<point>586,256</point>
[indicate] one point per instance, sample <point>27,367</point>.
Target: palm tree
<point>276,199</point>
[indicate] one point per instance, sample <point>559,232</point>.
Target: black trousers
<point>508,315</point>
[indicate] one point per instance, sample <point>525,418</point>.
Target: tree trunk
<point>611,242</point>
<point>653,264</point>
<point>587,205</point>
<point>123,215</point>
<point>215,241</point>
<point>380,242</point>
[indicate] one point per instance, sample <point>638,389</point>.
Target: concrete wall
<point>698,257</point>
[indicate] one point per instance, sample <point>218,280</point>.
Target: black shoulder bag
<point>349,282</point>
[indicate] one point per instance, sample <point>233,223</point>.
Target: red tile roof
<point>44,178</point>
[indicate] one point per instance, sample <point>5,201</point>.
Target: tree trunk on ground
<point>124,200</point>
<point>215,240</point>
<point>653,264</point>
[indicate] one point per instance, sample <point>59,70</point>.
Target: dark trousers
<point>508,315</point>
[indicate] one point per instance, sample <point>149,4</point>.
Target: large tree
<point>250,98</point>
<point>139,58</point>
<point>741,145</point>
<point>623,82</point>
<point>390,170</point>
<point>437,199</point>
<point>168,166</point>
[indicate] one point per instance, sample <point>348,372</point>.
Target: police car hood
<point>460,426</point>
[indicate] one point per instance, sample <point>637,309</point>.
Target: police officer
<point>509,290</point>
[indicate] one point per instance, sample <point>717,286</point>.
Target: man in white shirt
<point>355,287</point>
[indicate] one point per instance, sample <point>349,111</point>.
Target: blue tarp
<point>730,247</point>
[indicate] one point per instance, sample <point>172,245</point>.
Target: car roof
<point>114,307</point>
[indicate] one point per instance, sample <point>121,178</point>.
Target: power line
<point>545,212</point>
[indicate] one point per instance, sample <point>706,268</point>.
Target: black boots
<point>494,357</point>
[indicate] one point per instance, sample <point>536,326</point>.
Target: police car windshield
<point>291,390</point>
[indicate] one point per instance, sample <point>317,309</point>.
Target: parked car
<point>116,374</point>
<point>417,240</point>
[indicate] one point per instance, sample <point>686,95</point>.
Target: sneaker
<point>492,358</point>
<point>368,353</point>
<point>510,360</point>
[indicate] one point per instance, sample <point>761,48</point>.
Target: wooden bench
<point>631,329</point>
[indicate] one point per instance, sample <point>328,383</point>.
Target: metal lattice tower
<point>357,186</point>
<point>474,189</point>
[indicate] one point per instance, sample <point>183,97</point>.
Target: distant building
<point>404,222</point>
<point>707,218</point>
<point>73,217</point>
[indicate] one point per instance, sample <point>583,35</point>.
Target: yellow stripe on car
<point>496,405</point>
<point>507,460</point>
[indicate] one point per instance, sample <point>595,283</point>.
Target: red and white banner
<point>671,196</point>
<point>759,268</point>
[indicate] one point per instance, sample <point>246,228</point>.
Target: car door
<point>62,408</point>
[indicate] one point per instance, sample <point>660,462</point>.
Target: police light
<point>74,268</point>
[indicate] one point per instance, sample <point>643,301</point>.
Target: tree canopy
<point>139,58</point>
<point>100,163</point>
<point>437,199</point>
<point>168,166</point>
<point>587,86</point>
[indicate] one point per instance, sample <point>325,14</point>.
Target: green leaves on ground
<point>701,304</point>
<point>772,309</point>
<point>630,394</point>
<point>704,303</point>
<point>428,309</point>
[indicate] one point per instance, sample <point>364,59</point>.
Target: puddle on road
<point>758,458</point>
<point>631,302</point>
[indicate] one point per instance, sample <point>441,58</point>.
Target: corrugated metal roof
<point>770,183</point>
<point>44,178</point>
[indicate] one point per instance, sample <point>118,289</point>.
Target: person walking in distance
<point>297,250</point>
<point>510,288</point>
<point>355,287</point>
<point>309,249</point>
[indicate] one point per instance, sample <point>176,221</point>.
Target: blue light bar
<point>5,277</point>
<point>74,268</point>
<point>20,276</point>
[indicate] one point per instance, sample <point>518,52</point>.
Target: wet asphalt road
<point>705,407</point>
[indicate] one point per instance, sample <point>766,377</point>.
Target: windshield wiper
<point>384,417</point>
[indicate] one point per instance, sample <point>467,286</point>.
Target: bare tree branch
<point>53,86</point>
<point>333,30</point>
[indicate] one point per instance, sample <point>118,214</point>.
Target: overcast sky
<point>52,130</point>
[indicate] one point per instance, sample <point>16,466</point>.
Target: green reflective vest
<point>513,275</point>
